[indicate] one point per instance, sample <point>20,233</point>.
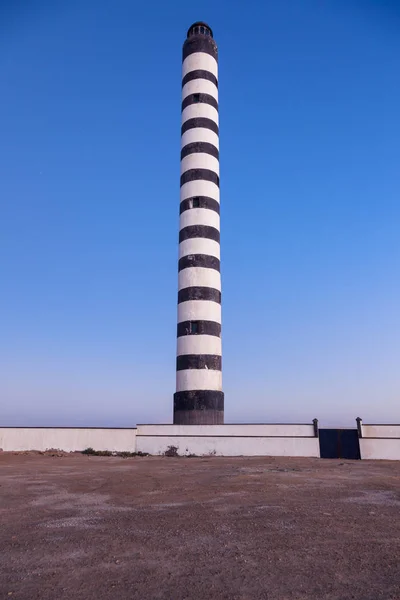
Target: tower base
<point>199,407</point>
<point>199,417</point>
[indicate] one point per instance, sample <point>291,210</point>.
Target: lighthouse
<point>199,399</point>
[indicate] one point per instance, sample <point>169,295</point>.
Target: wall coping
<point>218,425</point>
<point>381,424</point>
<point>59,427</point>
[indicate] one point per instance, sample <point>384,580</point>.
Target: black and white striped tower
<point>199,399</point>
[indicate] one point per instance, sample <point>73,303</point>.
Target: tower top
<point>199,28</point>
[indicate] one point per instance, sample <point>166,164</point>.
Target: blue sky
<point>310,212</point>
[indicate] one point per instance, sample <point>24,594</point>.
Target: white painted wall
<point>231,446</point>
<point>230,440</point>
<point>380,449</point>
<point>222,440</point>
<point>240,429</point>
<point>67,439</point>
<point>380,442</point>
<point>381,431</point>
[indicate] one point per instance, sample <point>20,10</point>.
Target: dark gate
<point>339,443</point>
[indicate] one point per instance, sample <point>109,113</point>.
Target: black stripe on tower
<point>211,362</point>
<point>199,400</point>
<point>197,292</point>
<point>199,74</point>
<point>195,147</point>
<point>199,122</point>
<point>199,260</point>
<point>202,174</point>
<point>199,202</point>
<point>199,328</point>
<point>204,147</point>
<point>199,99</point>
<point>199,231</point>
<point>200,43</point>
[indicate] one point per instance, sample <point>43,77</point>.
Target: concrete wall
<point>381,431</point>
<point>380,449</point>
<point>221,440</point>
<point>68,439</point>
<point>380,442</point>
<point>228,446</point>
<point>229,440</point>
<point>241,429</point>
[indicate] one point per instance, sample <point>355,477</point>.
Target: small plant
<point>171,451</point>
<point>131,454</point>
<point>89,451</point>
<point>102,453</point>
<point>125,454</point>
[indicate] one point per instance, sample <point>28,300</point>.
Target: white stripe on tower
<point>200,134</point>
<point>199,398</point>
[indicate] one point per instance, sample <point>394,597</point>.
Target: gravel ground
<point>83,527</point>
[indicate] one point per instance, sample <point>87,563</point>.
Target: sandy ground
<point>80,527</point>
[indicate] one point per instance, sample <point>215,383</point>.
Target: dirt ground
<point>83,527</point>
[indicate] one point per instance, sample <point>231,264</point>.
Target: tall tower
<point>199,399</point>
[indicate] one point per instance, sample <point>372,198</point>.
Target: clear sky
<point>310,212</point>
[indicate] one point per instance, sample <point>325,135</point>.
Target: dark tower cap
<point>199,28</point>
<point>200,39</point>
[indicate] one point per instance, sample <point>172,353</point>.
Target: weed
<point>171,451</point>
<point>125,454</point>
